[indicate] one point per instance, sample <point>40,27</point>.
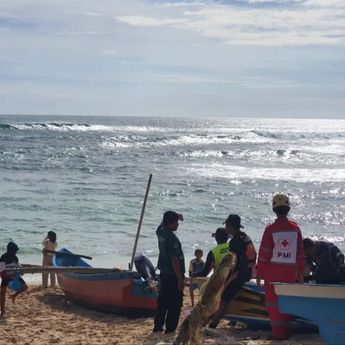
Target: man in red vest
<point>281,259</point>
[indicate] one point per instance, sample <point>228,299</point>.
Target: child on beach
<point>10,259</point>
<point>196,265</point>
<point>49,244</point>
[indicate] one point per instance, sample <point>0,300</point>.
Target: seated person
<point>326,261</point>
<point>215,255</point>
<point>243,247</point>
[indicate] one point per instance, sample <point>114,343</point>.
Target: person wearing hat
<point>281,259</point>
<point>215,255</point>
<point>10,259</point>
<point>243,247</point>
<point>172,269</point>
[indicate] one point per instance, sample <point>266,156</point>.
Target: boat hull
<point>248,306</point>
<point>118,292</point>
<point>322,304</point>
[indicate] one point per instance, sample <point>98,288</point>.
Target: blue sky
<point>243,58</point>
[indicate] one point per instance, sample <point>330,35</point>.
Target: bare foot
<point>13,298</point>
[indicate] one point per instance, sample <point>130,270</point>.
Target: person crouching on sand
<point>49,244</point>
<point>11,260</point>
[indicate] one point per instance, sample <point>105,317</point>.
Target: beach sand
<point>42,316</point>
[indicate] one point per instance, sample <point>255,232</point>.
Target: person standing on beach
<point>49,244</point>
<point>10,259</point>
<point>196,265</point>
<point>281,259</point>
<point>243,247</point>
<point>172,269</point>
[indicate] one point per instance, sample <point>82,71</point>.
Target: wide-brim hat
<point>234,220</point>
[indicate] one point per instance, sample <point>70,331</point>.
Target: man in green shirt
<point>172,269</point>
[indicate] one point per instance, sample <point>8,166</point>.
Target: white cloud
<point>113,52</point>
<point>186,4</point>
<point>150,21</point>
<point>183,57</point>
<point>311,23</point>
<point>325,3</point>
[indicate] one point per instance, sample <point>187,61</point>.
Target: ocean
<point>85,178</point>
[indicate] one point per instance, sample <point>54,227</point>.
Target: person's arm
<point>209,265</point>
<point>190,271</point>
<point>300,257</point>
<point>44,245</point>
<point>265,254</point>
<point>178,272</point>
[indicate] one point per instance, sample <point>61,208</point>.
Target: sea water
<point>85,178</point>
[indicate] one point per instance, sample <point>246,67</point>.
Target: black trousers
<point>169,302</point>
<point>232,288</point>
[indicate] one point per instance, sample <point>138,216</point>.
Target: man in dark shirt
<point>172,269</point>
<point>243,247</point>
<point>328,261</point>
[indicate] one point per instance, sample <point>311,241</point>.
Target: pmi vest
<point>219,252</point>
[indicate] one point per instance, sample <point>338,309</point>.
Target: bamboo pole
<point>27,269</point>
<point>52,269</point>
<point>140,222</point>
<point>68,254</point>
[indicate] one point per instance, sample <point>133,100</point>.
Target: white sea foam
<point>235,172</point>
<point>95,196</point>
<point>115,145</point>
<point>64,127</point>
<point>201,154</point>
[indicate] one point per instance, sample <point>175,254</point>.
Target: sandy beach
<point>42,316</point>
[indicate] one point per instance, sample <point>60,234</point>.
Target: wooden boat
<point>122,292</point>
<point>127,293</point>
<point>323,304</point>
<point>248,307</point>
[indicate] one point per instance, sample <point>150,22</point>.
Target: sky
<point>212,58</point>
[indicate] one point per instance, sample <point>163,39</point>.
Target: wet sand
<point>42,316</point>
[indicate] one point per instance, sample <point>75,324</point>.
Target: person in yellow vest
<point>215,255</point>
<point>243,247</point>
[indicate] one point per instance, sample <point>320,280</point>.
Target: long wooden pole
<point>53,269</point>
<point>140,222</point>
<point>68,254</point>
